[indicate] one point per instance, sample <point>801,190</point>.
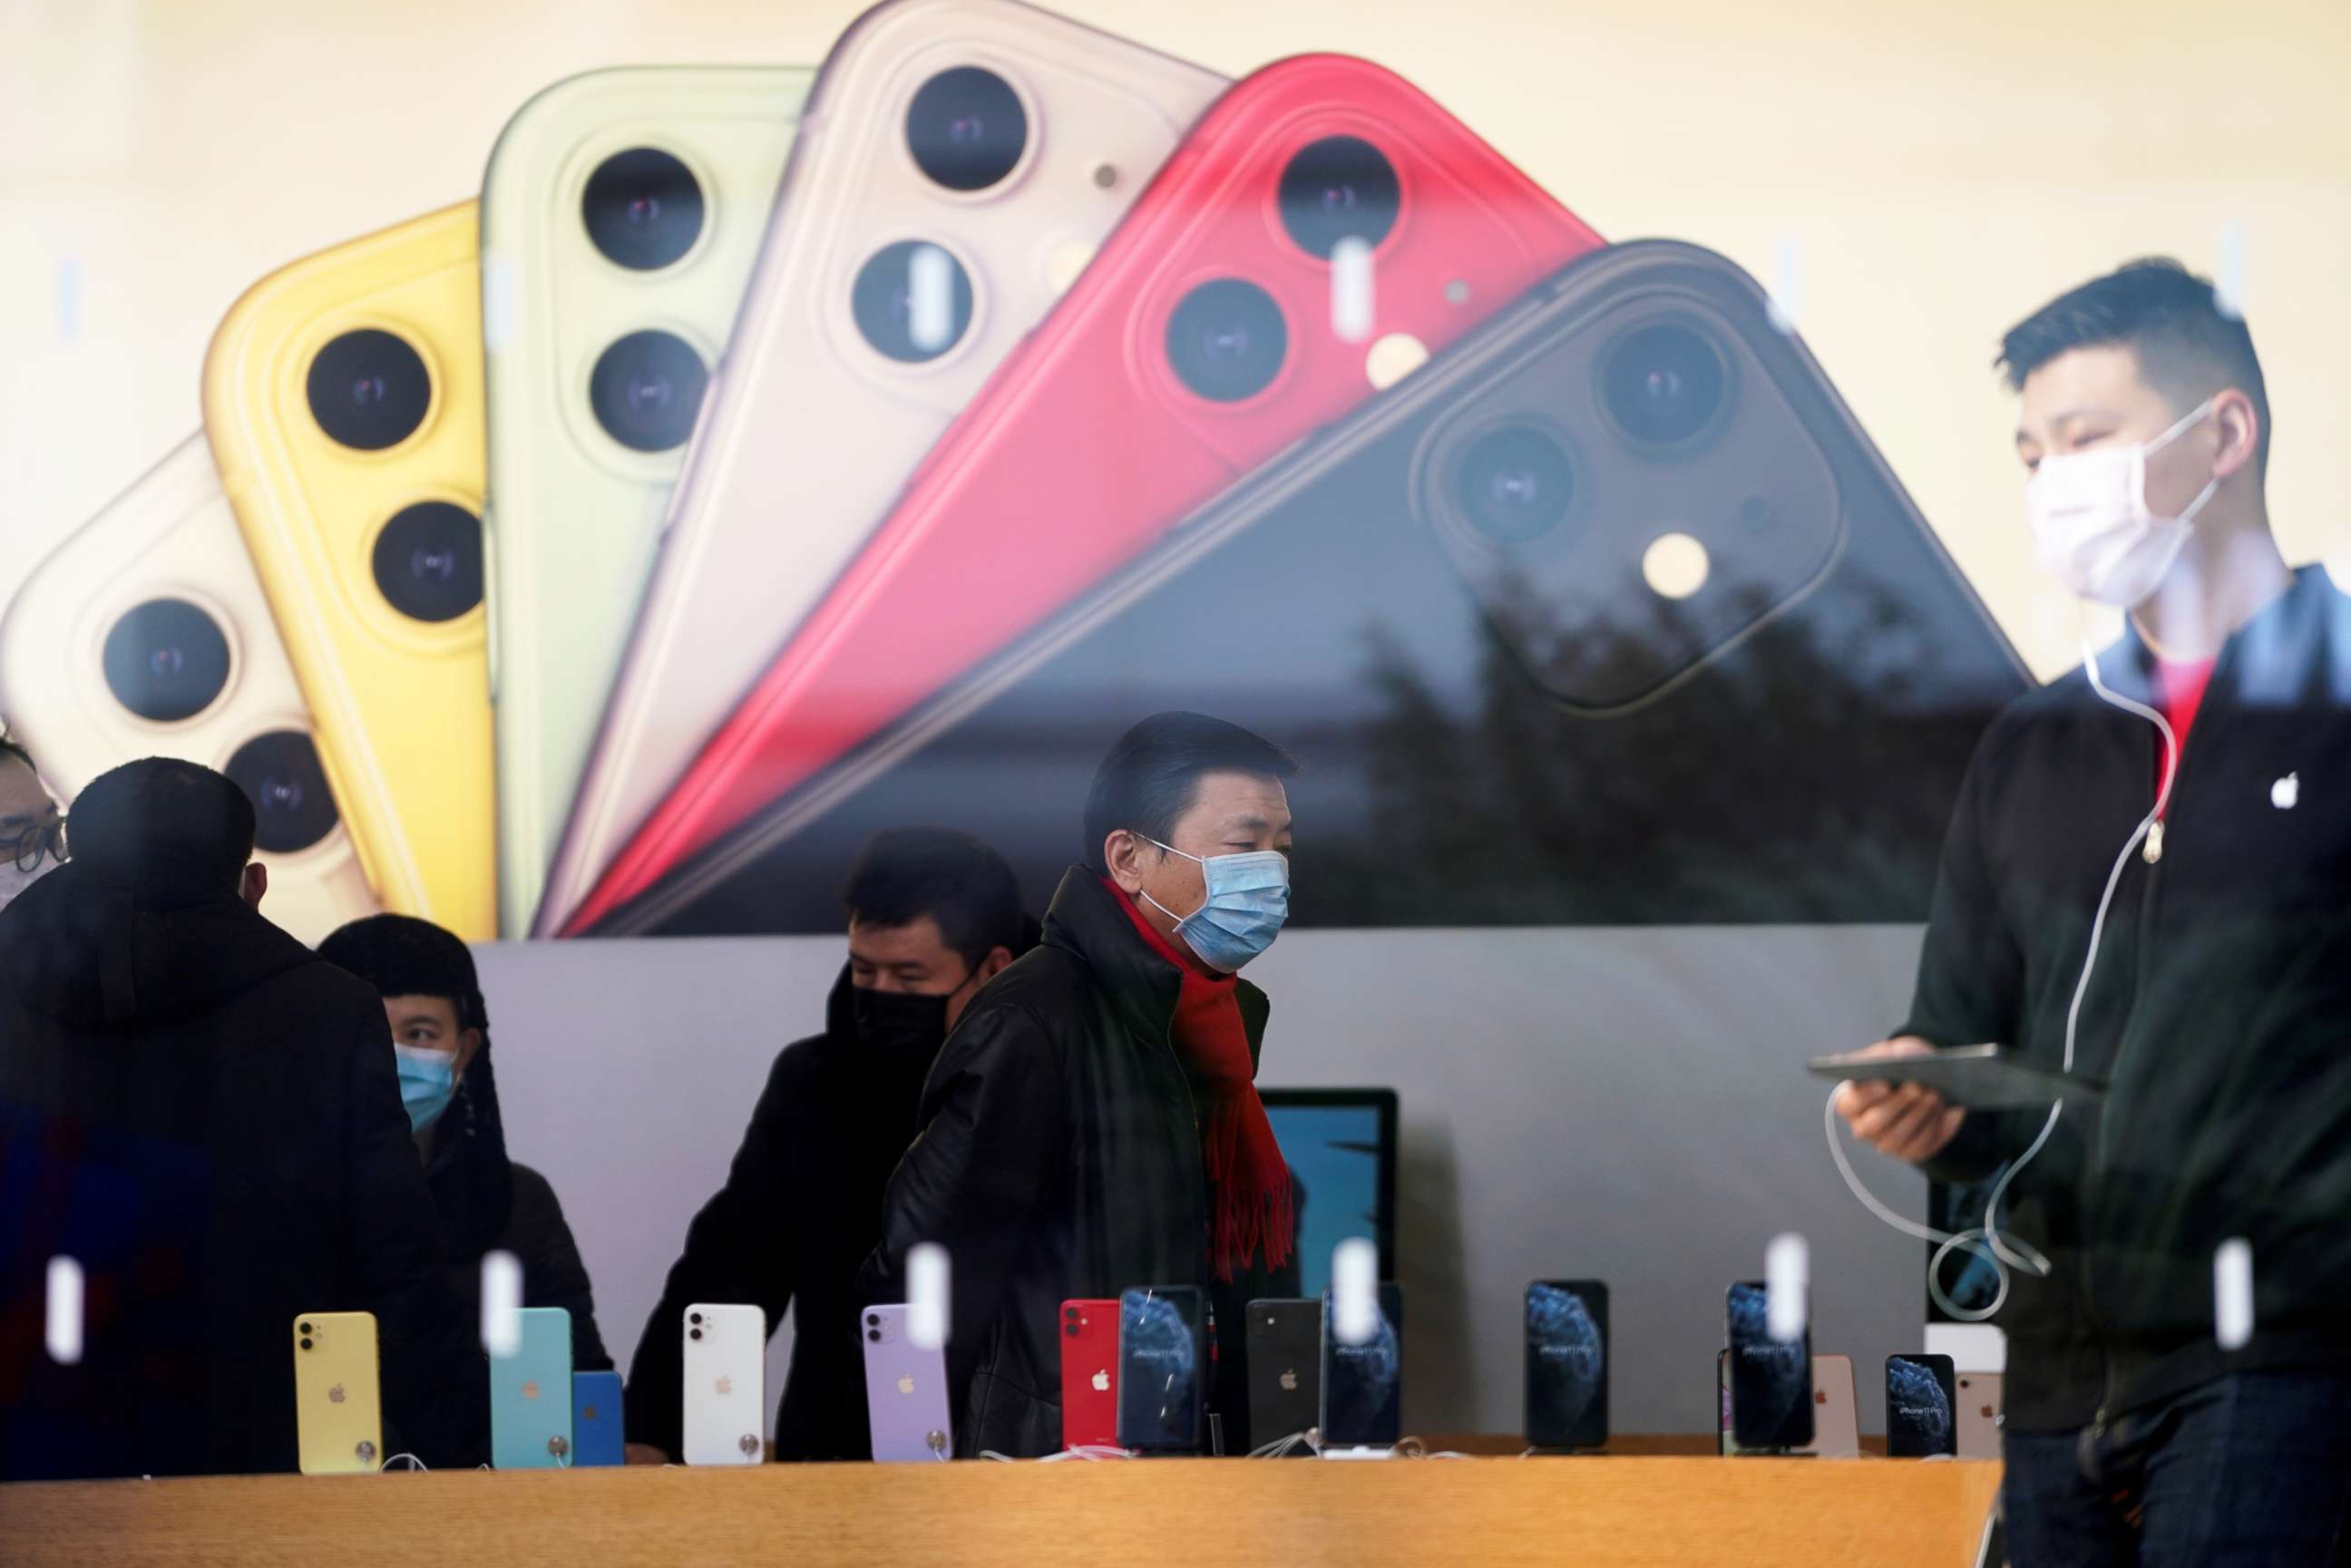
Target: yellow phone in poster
<point>343,398</point>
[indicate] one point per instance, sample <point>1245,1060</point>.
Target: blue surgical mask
<point>1248,899</point>
<point>428,1079</point>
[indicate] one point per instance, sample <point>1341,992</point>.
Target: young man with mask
<point>32,839</point>
<point>201,1112</point>
<point>1093,1123</point>
<point>486,1202</point>
<point>933,915</point>
<point>2148,881</point>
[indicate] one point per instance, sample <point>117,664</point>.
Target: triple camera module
<point>370,391</point>
<point>644,211</point>
<point>166,661</point>
<point>1663,386</point>
<point>1226,339</point>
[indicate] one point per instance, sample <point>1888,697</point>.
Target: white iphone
<point>726,1384</point>
<point>1976,1409</point>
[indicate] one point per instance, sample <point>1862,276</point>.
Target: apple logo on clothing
<point>2286,793</point>
<point>1290,1383</point>
<point>530,1390</point>
<point>905,1382</point>
<point>1102,1382</point>
<point>725,1386</point>
<point>334,1394</point>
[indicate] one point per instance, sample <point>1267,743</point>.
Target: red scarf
<point>1249,1183</point>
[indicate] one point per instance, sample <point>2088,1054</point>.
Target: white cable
<point>413,1463</point>
<point>1985,1240</point>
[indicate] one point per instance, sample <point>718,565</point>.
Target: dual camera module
<point>1663,386</point>
<point>166,661</point>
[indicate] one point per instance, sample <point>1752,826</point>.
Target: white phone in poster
<point>726,1384</point>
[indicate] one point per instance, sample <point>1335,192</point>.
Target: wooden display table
<point>1652,1513</point>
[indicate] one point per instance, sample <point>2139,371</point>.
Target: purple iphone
<point>906,1391</point>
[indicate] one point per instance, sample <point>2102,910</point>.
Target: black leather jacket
<point>1059,1159</point>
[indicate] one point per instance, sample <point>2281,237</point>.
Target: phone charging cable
<point>1985,1240</point>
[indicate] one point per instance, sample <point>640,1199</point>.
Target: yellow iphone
<point>343,398</point>
<point>338,1410</point>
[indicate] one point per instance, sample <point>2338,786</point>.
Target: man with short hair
<point>2148,881</point>
<point>31,840</point>
<point>933,915</point>
<point>203,1115</point>
<point>1093,1123</point>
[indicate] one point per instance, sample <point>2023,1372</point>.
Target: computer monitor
<point>1340,1145</point>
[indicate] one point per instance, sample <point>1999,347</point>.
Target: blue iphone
<point>596,1432</point>
<point>531,1395</point>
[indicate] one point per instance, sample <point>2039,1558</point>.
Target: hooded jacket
<point>2218,1012</point>
<point>1059,1159</point>
<point>203,1114</point>
<point>800,1210</point>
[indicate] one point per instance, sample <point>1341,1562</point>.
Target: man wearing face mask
<point>933,915</point>
<point>2148,882</point>
<point>32,836</point>
<point>440,1030</point>
<point>1093,1123</point>
<point>201,1114</point>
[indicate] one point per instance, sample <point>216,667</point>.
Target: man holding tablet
<point>2147,884</point>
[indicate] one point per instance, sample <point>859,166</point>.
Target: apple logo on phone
<point>1289,1381</point>
<point>725,1386</point>
<point>1820,1395</point>
<point>1102,1382</point>
<point>334,1394</point>
<point>905,1382</point>
<point>586,1412</point>
<point>530,1390</point>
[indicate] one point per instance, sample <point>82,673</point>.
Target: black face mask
<point>898,1033</point>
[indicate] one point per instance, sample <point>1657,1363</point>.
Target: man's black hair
<point>2188,346</point>
<point>164,822</point>
<point>904,873</point>
<point>1152,776</point>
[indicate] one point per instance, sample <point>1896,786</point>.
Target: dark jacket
<point>2219,1010</point>
<point>206,1116</point>
<point>552,1274</point>
<point>1059,1159</point>
<point>800,1210</point>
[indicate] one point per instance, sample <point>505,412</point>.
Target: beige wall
<point>1937,171</point>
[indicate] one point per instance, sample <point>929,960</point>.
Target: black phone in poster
<point>1363,1383</point>
<point>1770,1379</point>
<point>1567,1364</point>
<point>1921,1419</point>
<point>1609,615</point>
<point>1161,1369</point>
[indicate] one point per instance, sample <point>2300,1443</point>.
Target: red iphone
<point>1212,330</point>
<point>1089,1374</point>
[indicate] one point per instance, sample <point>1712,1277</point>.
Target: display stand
<point>1604,1511</point>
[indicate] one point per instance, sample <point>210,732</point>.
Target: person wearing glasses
<point>32,831</point>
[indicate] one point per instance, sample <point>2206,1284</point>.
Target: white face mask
<point>2091,522</point>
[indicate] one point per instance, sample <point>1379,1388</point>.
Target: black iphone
<point>1363,1384</point>
<point>1163,1366</point>
<point>1919,1407</point>
<point>1609,615</point>
<point>1770,1379</point>
<point>1567,1364</point>
<point>1284,1345</point>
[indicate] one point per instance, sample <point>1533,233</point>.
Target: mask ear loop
<point>1985,1240</point>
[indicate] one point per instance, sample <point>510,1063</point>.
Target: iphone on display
<point>1770,1379</point>
<point>1163,1369</point>
<point>726,1381</point>
<point>1567,1364</point>
<point>597,1428</point>
<point>620,214</point>
<point>1204,338</point>
<point>337,1404</point>
<point>969,152</point>
<point>1472,602</point>
<point>1976,1409</point>
<point>146,635</point>
<point>343,400</point>
<point>1089,1373</point>
<point>1284,1345</point>
<point>1921,1401</point>
<point>531,1395</point>
<point>1363,1384</point>
<point>906,1391</point>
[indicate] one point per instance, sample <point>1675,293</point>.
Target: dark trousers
<point>2252,1470</point>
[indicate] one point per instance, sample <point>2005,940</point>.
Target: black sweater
<point>2219,1009</point>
